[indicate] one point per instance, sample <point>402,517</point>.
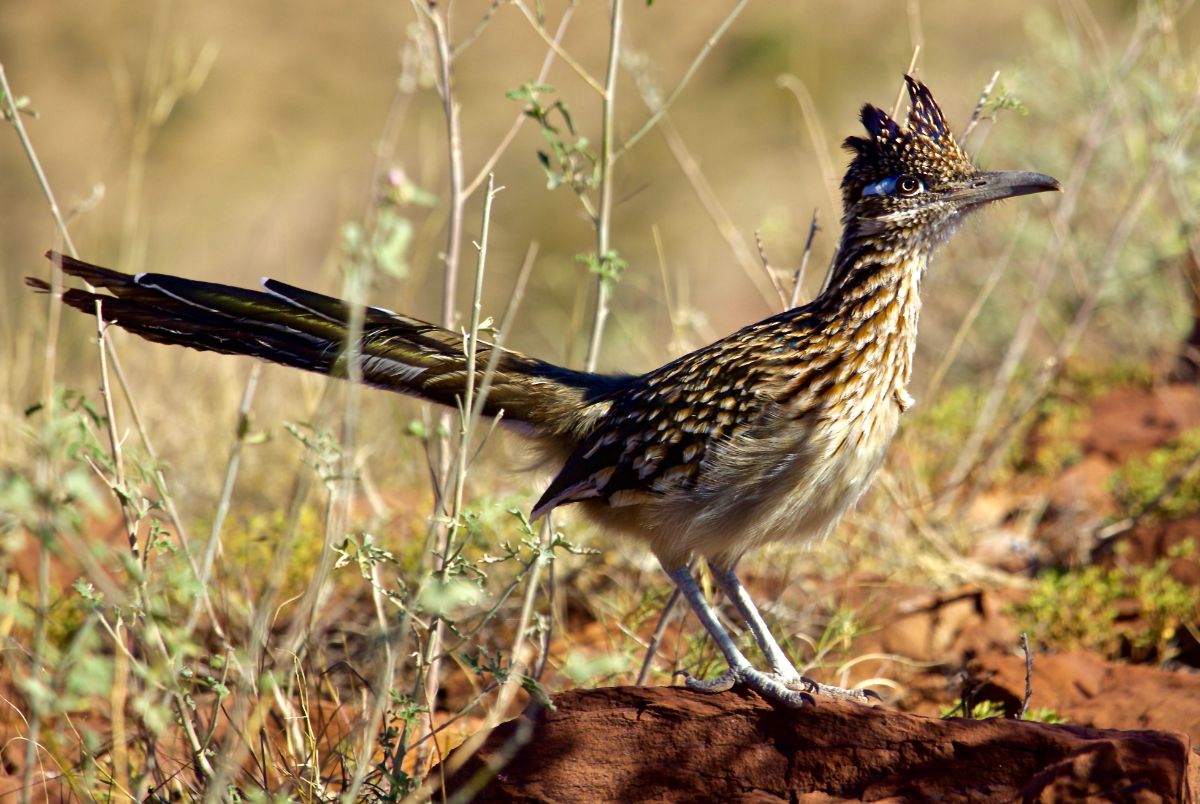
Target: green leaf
<point>537,692</point>
<point>608,267</point>
<point>393,237</point>
<point>449,597</point>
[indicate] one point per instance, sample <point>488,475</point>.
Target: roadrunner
<point>770,433</point>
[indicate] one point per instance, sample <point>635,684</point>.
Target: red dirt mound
<point>670,744</point>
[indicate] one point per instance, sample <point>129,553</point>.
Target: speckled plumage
<point>774,431</point>
<point>769,433</point>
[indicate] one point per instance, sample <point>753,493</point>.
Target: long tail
<point>296,327</point>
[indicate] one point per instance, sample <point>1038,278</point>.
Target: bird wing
<point>654,437</point>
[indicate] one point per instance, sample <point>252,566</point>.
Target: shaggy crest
<point>926,149</point>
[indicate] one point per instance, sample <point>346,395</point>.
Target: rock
<point>671,744</point>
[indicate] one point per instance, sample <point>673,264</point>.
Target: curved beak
<point>997,184</point>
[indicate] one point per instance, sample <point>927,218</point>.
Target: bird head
<point>917,182</point>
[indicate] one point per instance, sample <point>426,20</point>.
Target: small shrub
<point>1160,481</point>
<point>980,710</point>
<point>1044,715</point>
<point>1083,609</point>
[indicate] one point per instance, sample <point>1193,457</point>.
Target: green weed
<point>1165,482</point>
<point>980,710</point>
<point>1090,608</point>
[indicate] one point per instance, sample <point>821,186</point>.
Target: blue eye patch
<point>882,187</point>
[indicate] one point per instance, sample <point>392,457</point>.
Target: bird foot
<point>722,683</point>
<point>795,692</point>
<point>765,684</point>
<point>840,693</point>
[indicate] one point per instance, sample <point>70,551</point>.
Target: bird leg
<point>740,671</point>
<point>780,664</point>
<point>782,670</point>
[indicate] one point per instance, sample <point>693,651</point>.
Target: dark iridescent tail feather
<point>295,327</point>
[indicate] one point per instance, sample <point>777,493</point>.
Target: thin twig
<point>506,322</point>
<point>772,296</point>
<point>114,442</point>
<point>660,630</point>
<point>916,33</point>
<point>341,489</point>
<point>816,135</point>
<point>772,277</point>
<point>14,117</point>
<point>451,257</point>
<point>489,164</point>
<point>912,70</point>
<point>472,348</point>
<point>964,327</point>
<point>604,214</point>
<point>557,48</point>
<point>241,430</point>
<point>1028,676</point>
<point>1110,532</point>
<point>455,156</point>
<point>762,251</point>
<point>432,655</point>
<point>657,114</point>
<point>979,105</point>
<point>475,32</point>
<point>1096,131</point>
<point>798,279</point>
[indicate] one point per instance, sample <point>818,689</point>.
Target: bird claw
<point>765,684</point>
<point>795,692</point>
<point>722,683</point>
<point>839,693</point>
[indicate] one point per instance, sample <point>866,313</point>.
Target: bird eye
<point>904,185</point>
<point>908,186</point>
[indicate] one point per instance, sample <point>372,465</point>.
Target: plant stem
<point>657,114</point>
<point>490,163</point>
<point>467,421</point>
<point>457,197</point>
<point>14,117</point>
<point>445,59</point>
<point>798,279</point>
<point>557,48</point>
<point>604,215</point>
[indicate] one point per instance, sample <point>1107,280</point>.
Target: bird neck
<point>872,257</point>
<point>874,295</point>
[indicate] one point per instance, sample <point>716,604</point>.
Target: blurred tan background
<point>271,151</point>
